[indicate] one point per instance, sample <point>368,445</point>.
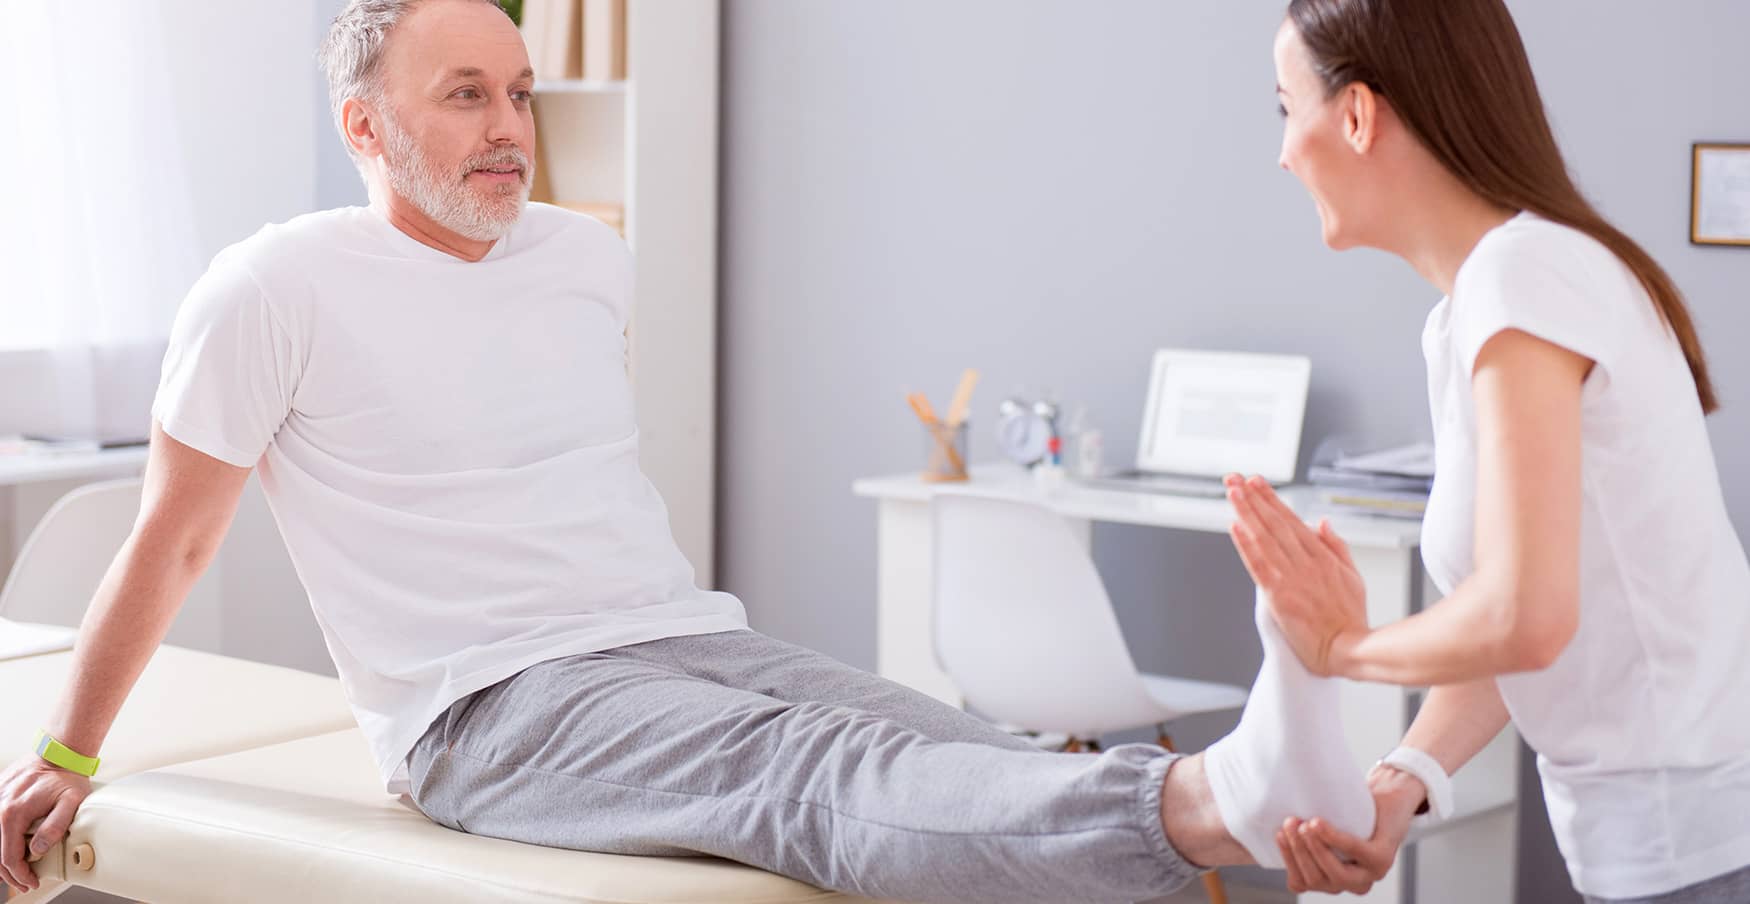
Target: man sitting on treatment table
<point>433,389</point>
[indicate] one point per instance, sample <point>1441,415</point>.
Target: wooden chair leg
<point>1212,886</point>
<point>1166,740</point>
<point>1073,746</point>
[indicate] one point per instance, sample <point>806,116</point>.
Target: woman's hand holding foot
<point>1321,858</point>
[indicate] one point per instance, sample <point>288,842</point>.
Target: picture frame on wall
<point>1719,194</point>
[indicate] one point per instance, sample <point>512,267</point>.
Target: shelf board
<point>609,212</point>
<point>579,86</point>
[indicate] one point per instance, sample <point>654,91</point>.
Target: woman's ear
<point>1361,110</point>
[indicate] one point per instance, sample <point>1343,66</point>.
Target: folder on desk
<point>1394,481</point>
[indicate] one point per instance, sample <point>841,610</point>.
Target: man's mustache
<point>498,158</point>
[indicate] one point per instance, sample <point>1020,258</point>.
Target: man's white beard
<point>447,197</point>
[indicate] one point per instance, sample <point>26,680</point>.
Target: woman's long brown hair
<point>1456,73</point>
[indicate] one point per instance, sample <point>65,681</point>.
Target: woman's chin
<point>1334,236</point>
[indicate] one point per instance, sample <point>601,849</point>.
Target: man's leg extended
<point>750,661</point>
<point>765,665</point>
<point>630,751</point>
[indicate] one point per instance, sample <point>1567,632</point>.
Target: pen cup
<point>946,461</point>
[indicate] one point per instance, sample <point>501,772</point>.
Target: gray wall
<point>1050,190</point>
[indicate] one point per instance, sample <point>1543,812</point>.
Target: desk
<point>21,468</point>
<point>1469,859</point>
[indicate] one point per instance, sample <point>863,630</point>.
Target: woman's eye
<point>1282,111</point>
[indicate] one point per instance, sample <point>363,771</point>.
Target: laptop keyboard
<point>1206,488</point>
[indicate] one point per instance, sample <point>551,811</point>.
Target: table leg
<point>904,651</point>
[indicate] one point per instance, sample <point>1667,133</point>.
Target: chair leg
<point>1074,745</point>
<point>1212,884</point>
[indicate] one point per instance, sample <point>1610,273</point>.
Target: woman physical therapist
<point>1595,591</point>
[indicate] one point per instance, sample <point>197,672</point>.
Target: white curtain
<point>97,239</point>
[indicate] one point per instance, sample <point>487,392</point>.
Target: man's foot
<point>1287,757</point>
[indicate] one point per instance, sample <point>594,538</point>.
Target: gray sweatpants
<point>1731,888</point>
<point>743,747</point>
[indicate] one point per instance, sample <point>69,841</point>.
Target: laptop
<point>1210,414</point>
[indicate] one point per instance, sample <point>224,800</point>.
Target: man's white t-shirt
<point>1642,726</point>
<point>448,447</point>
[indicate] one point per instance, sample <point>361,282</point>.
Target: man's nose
<point>506,124</point>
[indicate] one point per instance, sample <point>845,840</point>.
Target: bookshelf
<point>580,86</point>
<point>645,149</point>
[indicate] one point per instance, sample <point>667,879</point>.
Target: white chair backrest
<point>1023,624</point>
<point>66,556</point>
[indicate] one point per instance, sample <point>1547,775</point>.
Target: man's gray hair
<point>352,54</point>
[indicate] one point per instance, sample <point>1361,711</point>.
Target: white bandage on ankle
<point>1288,757</point>
<point>1427,770</point>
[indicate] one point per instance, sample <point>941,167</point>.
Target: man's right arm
<point>185,509</point>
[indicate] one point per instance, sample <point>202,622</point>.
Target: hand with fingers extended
<point>32,790</point>
<point>1314,590</point>
<point>1321,858</point>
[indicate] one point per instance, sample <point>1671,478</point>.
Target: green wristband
<point>58,754</point>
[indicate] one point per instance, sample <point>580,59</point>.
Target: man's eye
<point>466,94</point>
<point>522,97</point>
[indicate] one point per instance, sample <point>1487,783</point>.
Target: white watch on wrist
<point>1425,768</point>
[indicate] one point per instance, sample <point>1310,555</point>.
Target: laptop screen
<point>1212,413</point>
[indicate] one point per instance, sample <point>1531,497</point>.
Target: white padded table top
<point>308,820</point>
<point>187,705</point>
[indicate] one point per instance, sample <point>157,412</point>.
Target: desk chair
<point>66,556</point>
<point>1024,627</point>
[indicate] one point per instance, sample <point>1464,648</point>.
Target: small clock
<point>1025,432</point>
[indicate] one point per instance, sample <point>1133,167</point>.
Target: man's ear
<point>1361,111</point>
<point>359,128</point>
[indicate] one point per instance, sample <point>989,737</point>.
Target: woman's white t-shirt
<point>1642,725</point>
<point>449,450</point>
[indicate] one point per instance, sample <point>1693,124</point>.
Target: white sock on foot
<point>1288,756</point>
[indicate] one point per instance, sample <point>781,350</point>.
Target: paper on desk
<point>1415,461</point>
<point>18,640</point>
